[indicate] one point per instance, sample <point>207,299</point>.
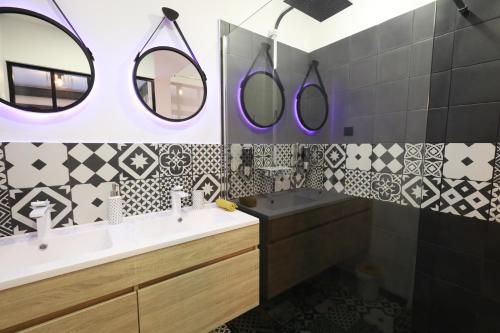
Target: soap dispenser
<point>115,208</point>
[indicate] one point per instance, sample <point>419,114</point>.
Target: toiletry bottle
<point>115,209</point>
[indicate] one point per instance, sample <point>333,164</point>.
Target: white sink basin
<point>61,245</point>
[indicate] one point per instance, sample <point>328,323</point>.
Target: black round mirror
<point>262,99</point>
<point>312,107</point>
<point>170,84</point>
<point>44,67</point>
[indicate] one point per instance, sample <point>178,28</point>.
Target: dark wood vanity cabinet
<point>299,246</point>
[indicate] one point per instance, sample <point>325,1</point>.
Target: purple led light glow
<point>244,116</point>
<point>296,114</point>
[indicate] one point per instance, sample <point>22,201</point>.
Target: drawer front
<point>203,299</point>
<point>116,315</point>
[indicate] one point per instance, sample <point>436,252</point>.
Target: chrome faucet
<point>41,212</point>
<point>176,194</point>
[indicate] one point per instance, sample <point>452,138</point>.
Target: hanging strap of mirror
<point>147,42</point>
<point>73,28</point>
<point>265,47</point>
<point>314,67</point>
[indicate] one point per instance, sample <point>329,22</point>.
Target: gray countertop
<point>280,204</point>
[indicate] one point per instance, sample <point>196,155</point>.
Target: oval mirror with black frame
<point>170,84</point>
<point>44,67</point>
<point>312,102</point>
<point>262,96</point>
<point>262,99</point>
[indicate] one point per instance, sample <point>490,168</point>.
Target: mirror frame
<point>185,55</point>
<point>242,99</point>
<point>327,107</point>
<point>83,47</point>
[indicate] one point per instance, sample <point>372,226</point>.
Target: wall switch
<point>348,131</point>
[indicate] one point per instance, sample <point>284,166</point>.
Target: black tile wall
<point>396,32</point>
<point>421,58</point>
<point>488,316</point>
<point>481,10</point>
<point>440,89</point>
<point>423,23</point>
<point>363,44</point>
<point>473,123</point>
<point>475,84</point>
<point>363,72</point>
<point>418,93</point>
<point>391,96</point>
<point>393,65</point>
<point>442,53</point>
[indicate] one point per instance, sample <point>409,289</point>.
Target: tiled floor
<point>326,304</point>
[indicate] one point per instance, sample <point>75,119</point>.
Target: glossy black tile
<point>436,125</point>
<point>475,84</point>
<point>396,32</point>
<point>446,13</point>
<point>391,97</point>
<point>423,22</point>
<point>416,126</point>
<point>393,65</point>
<point>492,239</point>
<point>490,287</point>
<point>361,101</point>
<point>440,89</point>
<point>363,44</point>
<point>442,53</point>
<point>418,92</point>
<point>337,79</point>
<point>488,316</point>
<point>389,127</point>
<point>338,53</point>
<point>363,73</point>
<point>473,123</point>
<point>480,11</point>
<point>421,58</point>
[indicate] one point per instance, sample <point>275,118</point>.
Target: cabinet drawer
<point>202,299</point>
<point>116,315</point>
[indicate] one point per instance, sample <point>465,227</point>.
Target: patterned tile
<point>283,155</point>
<point>282,183</point>
<point>359,157</point>
<point>175,160</point>
<point>221,329</point>
<point>140,196</point>
<point>465,198</point>
<point>206,159</point>
<point>263,184</point>
<point>138,161</point>
<point>168,183</point>
<point>387,158</point>
<point>413,159</point>
<point>343,317</point>
<point>469,161</point>
<point>3,176</point>
<point>411,191</point>
<point>335,156</point>
<point>298,179</point>
<point>386,187</point>
<point>314,177</point>
<point>90,202</point>
<point>496,169</point>
<point>495,203</point>
<point>431,192</point>
<point>237,157</point>
<point>334,180</point>
<point>358,183</point>
<point>5,221</point>
<point>240,186</point>
<point>317,152</point>
<point>21,199</point>
<point>210,185</point>
<point>262,155</point>
<point>433,159</point>
<point>36,164</point>
<point>92,163</point>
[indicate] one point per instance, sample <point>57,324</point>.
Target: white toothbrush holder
<point>115,210</point>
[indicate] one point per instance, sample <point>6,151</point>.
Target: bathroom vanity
<point>148,274</point>
<point>303,232</point>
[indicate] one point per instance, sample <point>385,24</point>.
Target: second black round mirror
<point>312,107</point>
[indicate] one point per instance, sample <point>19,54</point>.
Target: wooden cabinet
<point>203,299</point>
<point>116,315</point>
<point>76,297</point>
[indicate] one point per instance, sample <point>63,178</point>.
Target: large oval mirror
<point>44,67</point>
<point>312,107</point>
<point>170,84</point>
<point>262,99</point>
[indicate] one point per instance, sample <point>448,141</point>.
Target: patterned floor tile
<point>411,191</point>
<point>140,196</point>
<point>206,159</point>
<point>3,176</point>
<point>168,183</point>
<point>21,199</point>
<point>387,158</point>
<point>36,164</point>
<point>335,156</point>
<point>386,187</point>
<point>175,160</point>
<point>5,219</point>
<point>433,159</point>
<point>495,203</point>
<point>210,185</point>
<point>358,183</point>
<point>469,161</point>
<point>465,198</point>
<point>431,192</point>
<point>334,180</point>
<point>221,329</point>
<point>92,163</point>
<point>343,317</point>
<point>90,202</point>
<point>359,157</point>
<point>138,161</point>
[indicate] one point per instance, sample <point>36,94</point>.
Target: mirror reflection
<point>43,68</point>
<point>312,107</point>
<point>169,84</point>
<point>262,99</point>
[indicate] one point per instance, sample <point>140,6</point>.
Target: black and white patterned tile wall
<point>77,179</point>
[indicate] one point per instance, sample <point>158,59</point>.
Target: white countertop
<point>78,247</point>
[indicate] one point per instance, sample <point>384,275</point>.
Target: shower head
<point>319,9</point>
